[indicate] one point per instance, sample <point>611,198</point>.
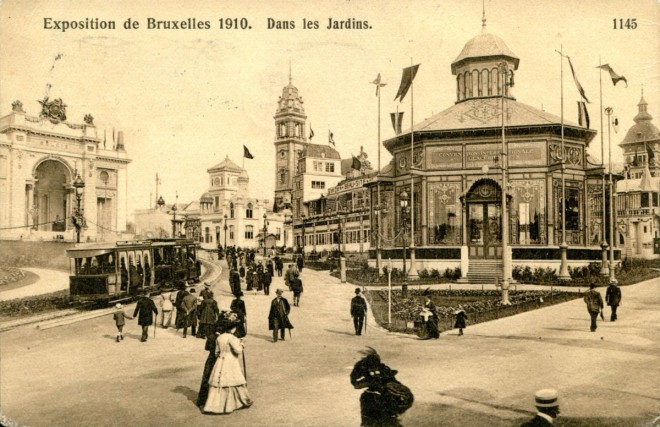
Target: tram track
<point>212,273</point>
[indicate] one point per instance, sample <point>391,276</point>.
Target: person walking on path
<point>430,317</point>
<point>267,279</point>
<point>461,320</point>
<point>279,265</point>
<point>300,263</point>
<point>297,288</point>
<point>208,367</point>
<point>208,316</point>
<point>227,384</point>
<point>144,311</point>
<point>234,282</point>
<point>613,298</point>
<point>594,305</point>
<point>269,266</point>
<point>238,306</point>
<point>120,320</point>
<point>206,291</point>
<point>166,307</point>
<point>547,406</point>
<point>291,273</point>
<point>180,313</point>
<point>189,307</point>
<point>358,311</point>
<point>278,317</point>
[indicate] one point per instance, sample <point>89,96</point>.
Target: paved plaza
<point>77,375</point>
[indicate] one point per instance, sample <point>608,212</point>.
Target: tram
<point>104,273</point>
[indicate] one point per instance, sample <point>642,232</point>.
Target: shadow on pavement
<point>268,338</point>
<point>341,332</point>
<point>189,393</point>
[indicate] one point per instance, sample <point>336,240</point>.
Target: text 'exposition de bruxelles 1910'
<point>235,23</point>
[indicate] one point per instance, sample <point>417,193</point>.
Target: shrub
<point>424,274</point>
<point>435,273</point>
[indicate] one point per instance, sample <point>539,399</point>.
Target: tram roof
<point>96,249</point>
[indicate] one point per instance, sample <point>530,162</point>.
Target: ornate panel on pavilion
<point>444,213</point>
<point>528,212</point>
<point>574,211</point>
<point>572,154</point>
<point>595,213</point>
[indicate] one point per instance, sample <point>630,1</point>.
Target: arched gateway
<point>52,195</point>
<point>483,206</point>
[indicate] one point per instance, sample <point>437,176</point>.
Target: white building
<point>40,157</point>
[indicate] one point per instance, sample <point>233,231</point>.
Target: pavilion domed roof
<point>484,45</point>
<point>643,129</point>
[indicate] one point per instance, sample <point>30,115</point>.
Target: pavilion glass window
<point>645,200</point>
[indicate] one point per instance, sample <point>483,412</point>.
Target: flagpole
<point>609,111</point>
<point>604,270</point>
<point>563,268</point>
<point>379,262</point>
<point>412,271</point>
<point>504,216</point>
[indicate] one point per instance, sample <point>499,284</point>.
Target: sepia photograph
<point>329,213</point>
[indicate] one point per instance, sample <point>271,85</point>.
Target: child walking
<point>461,318</point>
<point>120,321</point>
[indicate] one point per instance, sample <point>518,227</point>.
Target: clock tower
<point>290,139</point>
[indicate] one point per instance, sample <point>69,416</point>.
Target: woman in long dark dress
<point>460,320</point>
<point>431,319</point>
<point>208,367</point>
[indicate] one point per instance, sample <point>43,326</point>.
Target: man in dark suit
<point>613,298</point>
<point>144,310</point>
<point>358,311</point>
<point>234,282</point>
<point>594,305</point>
<point>278,317</point>
<point>547,406</point>
<point>266,280</point>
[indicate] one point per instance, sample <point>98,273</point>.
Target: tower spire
<point>289,71</point>
<point>483,15</point>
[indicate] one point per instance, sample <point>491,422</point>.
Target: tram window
<point>94,266</point>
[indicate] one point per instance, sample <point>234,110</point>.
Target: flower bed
<point>35,304</point>
<point>479,305</point>
<point>10,275</point>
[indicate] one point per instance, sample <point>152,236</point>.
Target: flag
<point>397,119</point>
<point>577,83</point>
<point>357,164</point>
<point>331,139</point>
<point>583,114</point>
<point>615,125</point>
<point>378,84</point>
<point>311,132</point>
<point>614,76</point>
<point>246,153</point>
<point>407,78</point>
<point>650,153</point>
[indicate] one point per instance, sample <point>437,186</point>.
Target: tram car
<point>104,273</point>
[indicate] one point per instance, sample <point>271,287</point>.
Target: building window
<point>283,176</point>
<point>329,167</point>
<point>248,211</point>
<point>655,199</point>
<point>217,203</point>
<point>207,233</point>
<point>645,200</point>
<point>231,232</point>
<point>318,185</point>
<point>249,232</point>
<point>217,234</point>
<point>231,210</point>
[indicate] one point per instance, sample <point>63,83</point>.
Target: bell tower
<point>289,141</point>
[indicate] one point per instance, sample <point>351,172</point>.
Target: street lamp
<point>226,227</point>
<point>403,201</point>
<point>160,202</point>
<point>78,218</point>
<point>609,111</point>
<point>341,221</point>
<point>265,230</point>
<point>303,217</point>
<point>506,268</point>
<point>174,221</point>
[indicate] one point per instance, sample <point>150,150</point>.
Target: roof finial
<point>483,15</point>
<point>289,71</point>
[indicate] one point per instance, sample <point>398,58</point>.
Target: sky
<point>186,98</point>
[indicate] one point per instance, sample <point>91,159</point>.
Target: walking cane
<point>290,334</point>
<point>244,365</point>
<point>365,323</point>
<point>156,321</point>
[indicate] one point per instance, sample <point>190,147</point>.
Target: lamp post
<point>303,217</point>
<point>340,242</point>
<point>265,230</point>
<point>609,111</point>
<point>226,227</point>
<point>403,200</point>
<point>174,208</point>
<point>508,82</point>
<point>78,219</point>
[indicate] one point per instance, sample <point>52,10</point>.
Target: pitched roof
<point>226,165</point>
<point>320,151</point>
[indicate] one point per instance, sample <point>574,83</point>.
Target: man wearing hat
<point>358,311</point>
<point>278,317</point>
<point>613,298</point>
<point>234,281</point>
<point>594,304</point>
<point>238,306</point>
<point>547,406</point>
<point>144,311</point>
<point>290,275</point>
<point>206,292</point>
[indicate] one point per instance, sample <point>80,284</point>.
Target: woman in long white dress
<point>227,385</point>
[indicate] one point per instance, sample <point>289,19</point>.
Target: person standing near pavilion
<point>144,310</point>
<point>594,302</point>
<point>613,298</point>
<point>278,317</point>
<point>358,311</point>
